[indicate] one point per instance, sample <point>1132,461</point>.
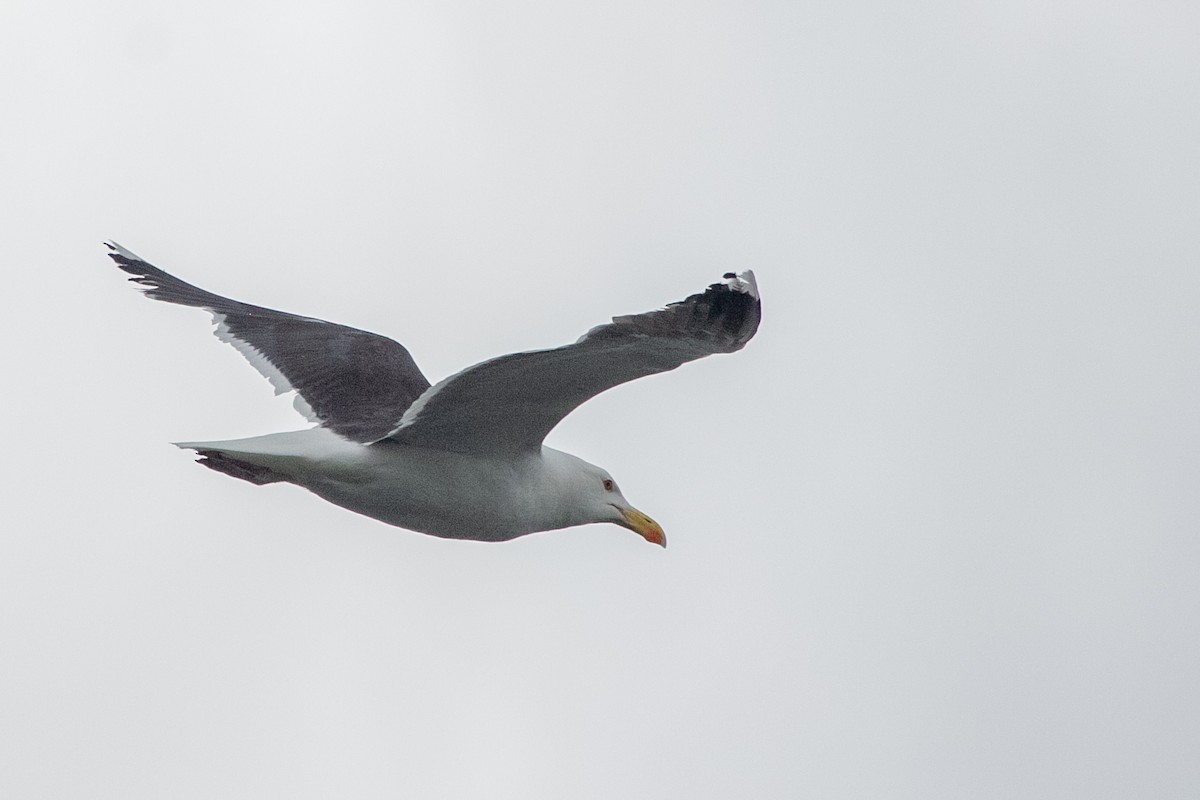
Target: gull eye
<point>609,485</point>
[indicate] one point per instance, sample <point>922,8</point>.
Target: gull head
<point>595,497</point>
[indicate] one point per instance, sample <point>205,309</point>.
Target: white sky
<point>933,533</point>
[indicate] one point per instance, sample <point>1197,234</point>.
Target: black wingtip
<point>156,284</point>
<point>123,258</point>
<point>738,311</point>
<point>121,251</point>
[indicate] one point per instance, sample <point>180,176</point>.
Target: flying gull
<point>463,458</point>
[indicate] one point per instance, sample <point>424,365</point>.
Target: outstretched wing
<point>509,404</point>
<point>355,383</point>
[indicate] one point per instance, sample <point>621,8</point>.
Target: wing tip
<point>738,306</point>
<point>725,314</point>
<point>119,252</point>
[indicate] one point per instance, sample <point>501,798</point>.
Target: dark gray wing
<point>355,383</point>
<point>509,404</point>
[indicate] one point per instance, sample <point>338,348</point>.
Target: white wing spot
<point>744,283</point>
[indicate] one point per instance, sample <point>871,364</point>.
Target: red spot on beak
<point>645,527</point>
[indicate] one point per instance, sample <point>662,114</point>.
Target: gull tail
<point>275,457</point>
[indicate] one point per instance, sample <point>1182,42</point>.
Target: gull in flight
<point>463,458</point>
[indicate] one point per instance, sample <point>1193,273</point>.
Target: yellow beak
<point>645,527</point>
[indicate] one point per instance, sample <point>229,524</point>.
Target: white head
<point>590,494</point>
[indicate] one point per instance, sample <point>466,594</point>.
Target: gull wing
<point>355,383</point>
<point>510,403</point>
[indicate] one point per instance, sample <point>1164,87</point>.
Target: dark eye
<point>609,485</point>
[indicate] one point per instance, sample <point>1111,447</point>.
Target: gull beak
<point>645,527</point>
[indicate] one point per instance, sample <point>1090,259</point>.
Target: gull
<point>463,458</point>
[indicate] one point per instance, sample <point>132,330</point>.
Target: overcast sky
<point>934,532</point>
